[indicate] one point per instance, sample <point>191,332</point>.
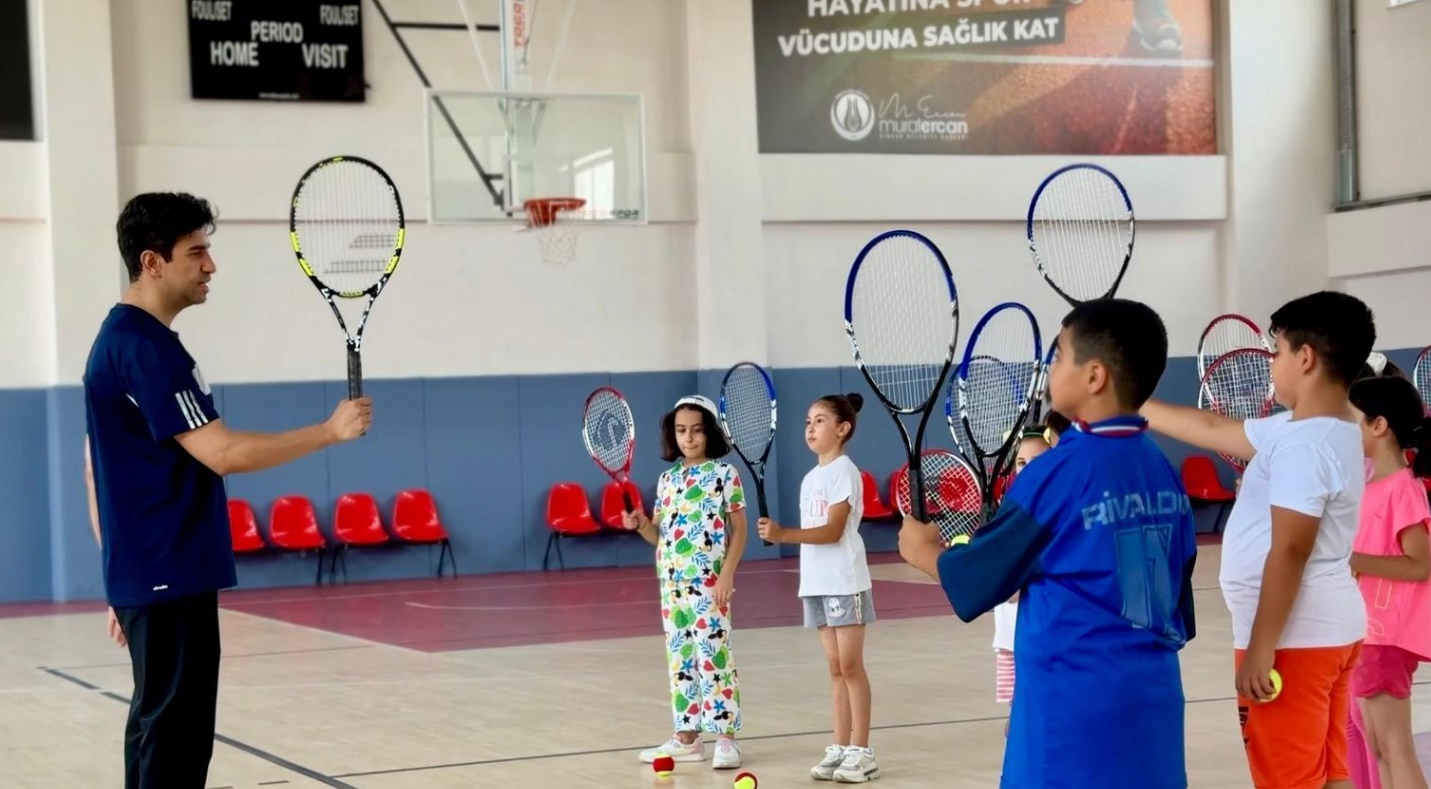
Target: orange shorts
<point>1299,739</point>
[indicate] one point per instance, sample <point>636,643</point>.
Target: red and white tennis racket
<point>1238,385</point>
<point>609,431</point>
<point>953,498</point>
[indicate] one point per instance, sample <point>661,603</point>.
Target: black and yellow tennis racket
<point>346,225</point>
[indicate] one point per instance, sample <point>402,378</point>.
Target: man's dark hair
<point>156,221</point>
<point>1129,339</point>
<point>716,445</point>
<point>1339,327</point>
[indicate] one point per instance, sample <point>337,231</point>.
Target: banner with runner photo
<point>1019,77</point>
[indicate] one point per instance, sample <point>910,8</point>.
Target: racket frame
<point>1033,244</point>
<point>1269,400</point>
<point>1422,380</point>
<point>999,457</point>
<point>329,294</point>
<point>1203,362</point>
<point>912,446</point>
<point>623,475</point>
<point>756,466</point>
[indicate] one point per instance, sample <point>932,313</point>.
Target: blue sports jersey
<point>163,515</point>
<point>1098,534</point>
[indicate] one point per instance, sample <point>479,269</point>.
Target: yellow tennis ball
<point>1276,684</point>
<point>746,781</point>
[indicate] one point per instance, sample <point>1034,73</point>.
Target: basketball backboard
<point>488,152</point>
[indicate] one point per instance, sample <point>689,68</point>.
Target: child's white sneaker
<point>858,767</point>
<point>677,750</point>
<point>825,770</point>
<point>727,755</point>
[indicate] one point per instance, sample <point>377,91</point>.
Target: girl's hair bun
<point>856,399</point>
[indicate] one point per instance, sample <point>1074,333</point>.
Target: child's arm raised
<point>1414,566</point>
<point>1203,429</point>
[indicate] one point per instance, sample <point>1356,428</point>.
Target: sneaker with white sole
<point>825,770</point>
<point>727,755</point>
<point>858,767</point>
<point>677,750</point>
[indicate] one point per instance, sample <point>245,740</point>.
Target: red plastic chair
<point>415,520</point>
<point>243,528</point>
<point>568,515</point>
<point>875,510</point>
<point>293,526</point>
<point>1202,484</point>
<point>356,523</point>
<point>613,507</point>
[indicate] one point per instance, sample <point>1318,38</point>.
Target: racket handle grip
<point>355,374</point>
<point>626,499</point>
<point>763,510</point>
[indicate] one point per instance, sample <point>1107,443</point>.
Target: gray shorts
<point>839,610</point>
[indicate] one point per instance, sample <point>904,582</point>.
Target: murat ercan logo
<point>853,115</point>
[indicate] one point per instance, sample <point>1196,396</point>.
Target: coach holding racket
<point>156,453</point>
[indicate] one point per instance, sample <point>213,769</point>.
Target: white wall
<point>1380,254</point>
<point>1393,83</point>
<point>771,236</point>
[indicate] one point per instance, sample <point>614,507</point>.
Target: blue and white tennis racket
<point>997,383</point>
<point>902,317</point>
<point>747,415</point>
<point>1080,232</point>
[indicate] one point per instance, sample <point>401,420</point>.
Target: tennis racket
<point>1080,232</point>
<point>1421,376</point>
<point>347,229</point>
<point>609,432</point>
<point>953,501</point>
<point>996,386</point>
<point>1041,390</point>
<point>1227,333</point>
<point>902,317</point>
<point>1238,385</point>
<point>747,415</point>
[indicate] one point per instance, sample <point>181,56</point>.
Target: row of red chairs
<point>293,526</point>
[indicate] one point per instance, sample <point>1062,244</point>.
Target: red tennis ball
<point>746,781</point>
<point>663,765</point>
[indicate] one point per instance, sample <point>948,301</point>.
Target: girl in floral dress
<point>699,530</point>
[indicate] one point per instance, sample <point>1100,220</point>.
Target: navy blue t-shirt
<point>1098,534</point>
<point>163,515</point>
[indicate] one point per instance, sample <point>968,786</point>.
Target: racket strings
<point>952,499</point>
<point>748,411</point>
<point>347,218</point>
<point>996,381</point>
<point>901,310</point>
<point>1239,385</point>
<point>608,428</point>
<point>1225,335</point>
<point>1082,232</point>
<point>1421,377</point>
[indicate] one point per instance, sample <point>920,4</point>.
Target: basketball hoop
<point>557,240</point>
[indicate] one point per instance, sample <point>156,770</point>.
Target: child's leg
<point>681,657</point>
<point>717,689</point>
<point>1300,738</point>
<point>839,691</point>
<point>1361,759</point>
<point>1383,679</point>
<point>851,644</point>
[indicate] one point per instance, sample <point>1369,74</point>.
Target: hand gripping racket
<point>747,415</point>
<point>347,229</point>
<point>609,432</point>
<point>997,384</point>
<point>1238,385</point>
<point>953,500</point>
<point>902,318</point>
<point>1080,232</point>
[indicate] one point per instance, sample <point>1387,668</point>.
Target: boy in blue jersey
<point>1097,538</point>
<point>156,453</point>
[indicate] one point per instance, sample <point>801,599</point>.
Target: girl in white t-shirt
<point>835,581</point>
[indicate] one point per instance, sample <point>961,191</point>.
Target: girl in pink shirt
<point>1391,559</point>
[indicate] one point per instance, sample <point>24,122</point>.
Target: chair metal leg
<point>447,553</point>
<point>555,539</point>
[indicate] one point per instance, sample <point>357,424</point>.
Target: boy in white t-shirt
<point>1285,574</point>
<point>835,581</point>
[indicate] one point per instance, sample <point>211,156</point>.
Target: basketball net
<point>556,239</point>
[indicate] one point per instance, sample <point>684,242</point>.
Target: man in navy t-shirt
<point>1097,537</point>
<point>156,452</point>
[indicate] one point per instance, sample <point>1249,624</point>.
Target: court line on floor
<point>251,750</point>
<point>227,656</point>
